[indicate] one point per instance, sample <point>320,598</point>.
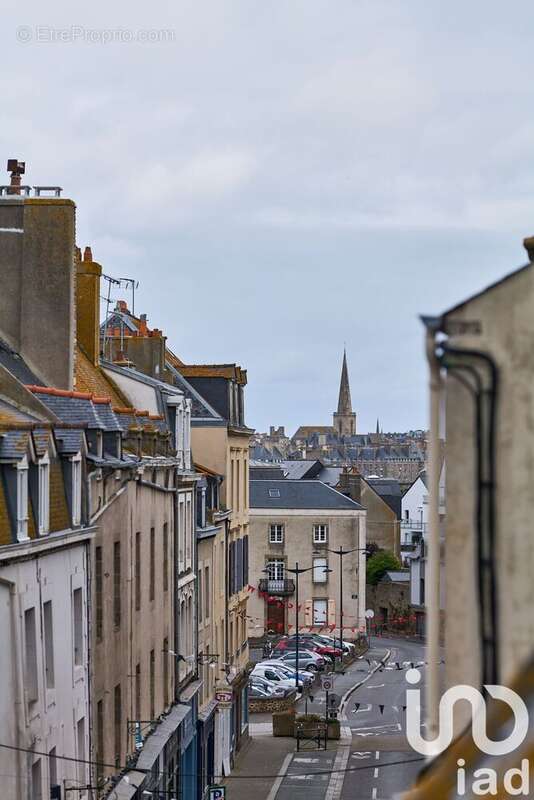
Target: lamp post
<point>296,571</point>
<point>341,552</point>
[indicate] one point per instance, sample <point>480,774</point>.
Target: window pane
<point>319,574</point>
<point>49,644</point>
<point>319,612</point>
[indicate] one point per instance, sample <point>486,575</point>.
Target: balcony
<point>283,586</point>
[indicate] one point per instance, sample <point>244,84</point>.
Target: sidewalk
<point>260,769</point>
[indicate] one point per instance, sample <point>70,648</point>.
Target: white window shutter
<point>331,612</point>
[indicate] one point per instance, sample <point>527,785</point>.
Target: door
<point>276,617</point>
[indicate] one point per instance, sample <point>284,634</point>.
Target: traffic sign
<point>217,792</point>
<point>334,700</point>
<point>369,613</point>
<point>327,682</point>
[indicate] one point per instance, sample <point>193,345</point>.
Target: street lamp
<point>296,571</point>
<point>341,552</point>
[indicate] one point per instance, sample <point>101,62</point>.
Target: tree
<point>380,563</point>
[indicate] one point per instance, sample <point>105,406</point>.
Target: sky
<point>285,178</point>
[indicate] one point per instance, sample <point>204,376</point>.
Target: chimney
<point>122,306</point>
<point>88,274</point>
<point>528,244</point>
<point>17,169</point>
<point>143,328</point>
<point>37,264</point>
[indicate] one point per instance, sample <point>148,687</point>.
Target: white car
<point>272,673</point>
<point>307,677</point>
<point>271,689</point>
<point>350,646</point>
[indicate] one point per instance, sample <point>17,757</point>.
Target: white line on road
<point>375,773</point>
<point>283,769</point>
<point>373,796</point>
<point>377,755</point>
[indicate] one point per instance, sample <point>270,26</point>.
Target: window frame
<point>22,500</point>
<point>319,573</point>
<point>76,462</point>
<point>281,532</point>
<point>316,529</point>
<point>44,495</point>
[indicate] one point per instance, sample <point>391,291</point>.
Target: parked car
<point>308,660</point>
<point>255,692</point>
<point>307,677</point>
<point>348,647</point>
<point>273,674</point>
<point>271,689</point>
<point>309,642</point>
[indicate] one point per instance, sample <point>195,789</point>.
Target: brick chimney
<point>37,259</point>
<point>88,274</point>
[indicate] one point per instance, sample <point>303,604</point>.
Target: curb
<point>350,691</point>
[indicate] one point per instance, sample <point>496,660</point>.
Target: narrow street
<point>372,761</point>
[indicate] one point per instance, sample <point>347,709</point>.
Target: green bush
<point>380,563</point>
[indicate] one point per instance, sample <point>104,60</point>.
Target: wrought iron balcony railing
<point>283,586</point>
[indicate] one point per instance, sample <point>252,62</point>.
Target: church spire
<point>377,427</point>
<point>344,404</point>
<point>344,418</point>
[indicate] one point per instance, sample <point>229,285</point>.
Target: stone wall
<point>268,705</point>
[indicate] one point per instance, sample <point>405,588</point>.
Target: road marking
<point>366,707</point>
<point>375,773</point>
<point>380,727</point>
<point>378,686</point>
<point>377,755</point>
<point>335,786</point>
<point>306,760</point>
<point>373,796</point>
<point>283,769</point>
<point>366,754</point>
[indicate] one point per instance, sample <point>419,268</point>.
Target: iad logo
<point>487,781</point>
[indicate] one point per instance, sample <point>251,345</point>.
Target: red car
<point>307,643</point>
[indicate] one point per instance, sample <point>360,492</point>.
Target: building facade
<point>304,521</point>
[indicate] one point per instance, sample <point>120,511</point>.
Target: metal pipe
<point>297,624</point>
<point>433,562</point>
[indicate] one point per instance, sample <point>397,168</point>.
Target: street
<point>372,761</point>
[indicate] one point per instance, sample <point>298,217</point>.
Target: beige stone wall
<point>346,528</point>
<point>506,319</point>
<point>127,646</point>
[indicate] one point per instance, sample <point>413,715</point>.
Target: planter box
<point>284,723</point>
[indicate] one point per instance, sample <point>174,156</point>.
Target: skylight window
<point>274,492</point>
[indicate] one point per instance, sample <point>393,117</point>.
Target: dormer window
<point>76,489</point>
<point>44,495</point>
<point>22,500</point>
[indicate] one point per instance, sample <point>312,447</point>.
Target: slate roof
<point>396,576</point>
<point>10,414</point>
<point>390,491</point>
<point>266,472</point>
<point>200,408</point>
<point>106,416</point>
<point>14,362</point>
<point>297,494</point>
<point>69,440</point>
<point>14,444</point>
<point>302,469</point>
<point>330,475</point>
<point>72,407</point>
<point>41,440</point>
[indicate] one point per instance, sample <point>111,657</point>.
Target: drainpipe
<point>432,585</point>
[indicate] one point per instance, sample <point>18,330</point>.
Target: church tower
<point>344,418</point>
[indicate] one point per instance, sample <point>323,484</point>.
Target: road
<point>378,737</point>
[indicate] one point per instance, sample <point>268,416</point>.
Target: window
<point>138,570</point>
<point>100,739</point>
<point>117,722</point>
<point>188,532</point>
<point>276,534</point>
<point>275,569</point>
<point>117,584</point>
<point>44,495</point>
<point>165,557</point>
<point>152,684</point>
<point>320,534</point>
<point>138,691</point>
<point>98,592</point>
<point>80,739</point>
<point>22,502</point>
<point>181,533</point>
<point>77,612</point>
<point>165,672</point>
<point>152,584</point>
<point>76,489</point>
<point>319,570</point>
<point>199,594</point>
<point>274,492</point>
<point>319,612</point>
<point>48,643</point>
<point>52,767</point>
<point>207,592</point>
<point>37,793</point>
<point>30,664</point>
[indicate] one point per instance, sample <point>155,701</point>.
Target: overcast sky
<point>285,177</point>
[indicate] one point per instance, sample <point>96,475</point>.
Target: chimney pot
<point>78,253</point>
<point>87,254</point>
<point>528,244</point>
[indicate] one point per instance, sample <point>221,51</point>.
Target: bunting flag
<point>381,709</point>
